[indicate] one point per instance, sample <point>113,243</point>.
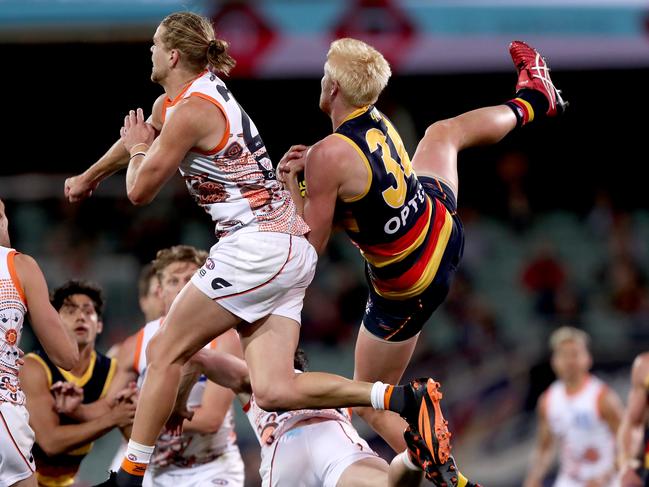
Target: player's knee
<point>444,130</point>
<point>156,352</point>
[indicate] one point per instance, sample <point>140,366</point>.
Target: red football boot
<point>534,74</point>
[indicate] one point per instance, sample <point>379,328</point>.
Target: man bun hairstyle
<point>193,35</point>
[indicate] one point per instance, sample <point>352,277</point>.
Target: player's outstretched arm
<point>50,331</point>
<point>226,370</point>
<point>82,185</point>
<point>544,451</point>
<point>630,432</point>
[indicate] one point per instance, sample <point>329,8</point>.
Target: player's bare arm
<point>46,323</point>
<point>226,370</point>
<point>81,186</point>
<point>630,432</point>
<point>53,437</point>
<point>194,123</point>
<point>330,173</point>
<point>544,451</point>
<point>611,409</point>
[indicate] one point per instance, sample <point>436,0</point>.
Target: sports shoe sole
<point>437,440</point>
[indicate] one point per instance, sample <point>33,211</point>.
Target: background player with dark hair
<point>61,441</point>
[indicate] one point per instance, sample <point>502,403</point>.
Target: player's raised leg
<point>536,97</point>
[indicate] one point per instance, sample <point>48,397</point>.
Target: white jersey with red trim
<point>270,426</point>
<point>235,182</point>
<point>12,314</point>
<point>193,448</point>
<point>587,445</point>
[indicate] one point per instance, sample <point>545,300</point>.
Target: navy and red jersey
<point>400,230</point>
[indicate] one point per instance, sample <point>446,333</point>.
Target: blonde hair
<point>193,35</point>
<point>566,334</point>
<point>177,253</point>
<point>361,71</point>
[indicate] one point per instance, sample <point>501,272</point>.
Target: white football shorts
<point>256,274</point>
<point>313,455</point>
<point>16,441</point>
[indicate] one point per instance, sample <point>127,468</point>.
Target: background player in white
<point>206,452</point>
<point>579,414</point>
<point>23,290</point>
<point>633,459</point>
<point>152,307</point>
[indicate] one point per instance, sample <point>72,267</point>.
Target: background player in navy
<point>63,442</point>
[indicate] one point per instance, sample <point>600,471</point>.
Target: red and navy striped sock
<point>528,105</point>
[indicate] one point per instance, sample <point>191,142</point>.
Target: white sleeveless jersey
<point>586,444</point>
<point>270,426</point>
<point>196,448</point>
<point>13,308</point>
<point>235,182</point>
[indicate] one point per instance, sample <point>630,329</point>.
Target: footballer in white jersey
<point>579,415</point>
<point>23,291</point>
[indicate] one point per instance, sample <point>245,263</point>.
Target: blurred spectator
<point>512,170</point>
<point>544,276</point>
<point>600,217</point>
<point>626,286</point>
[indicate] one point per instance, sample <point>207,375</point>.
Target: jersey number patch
<point>394,196</point>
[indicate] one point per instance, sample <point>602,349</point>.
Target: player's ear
<point>174,57</point>
<point>100,326</point>
<point>335,88</point>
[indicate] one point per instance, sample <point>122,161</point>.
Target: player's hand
<point>292,162</point>
<point>174,425</point>
<point>78,188</point>
<point>127,394</point>
<point>123,413</point>
<point>67,397</point>
<point>629,477</point>
<point>136,130</point>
